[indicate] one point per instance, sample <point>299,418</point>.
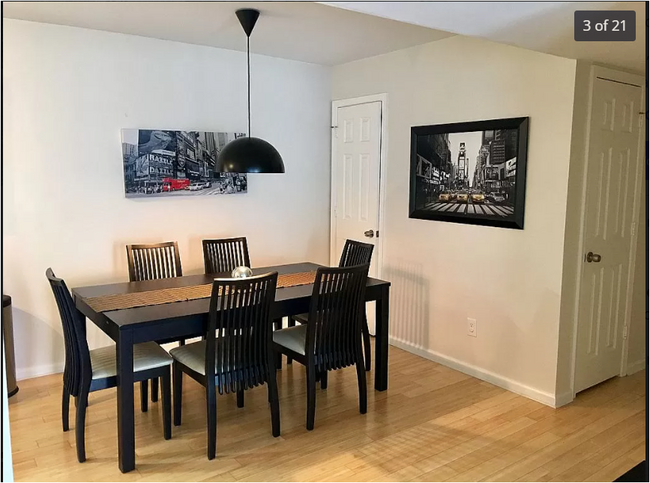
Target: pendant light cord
<point>248,59</point>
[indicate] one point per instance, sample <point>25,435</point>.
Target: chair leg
<point>363,390</point>
<point>181,342</point>
<point>323,380</point>
<point>274,402</point>
<point>178,393</point>
<point>366,345</point>
<point>154,389</point>
<point>65,409</point>
<point>240,398</point>
<point>211,402</point>
<point>144,395</point>
<point>311,396</point>
<point>291,322</point>
<point>167,404</point>
<point>277,325</point>
<point>80,427</point>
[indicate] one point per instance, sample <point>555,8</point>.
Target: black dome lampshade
<point>249,154</point>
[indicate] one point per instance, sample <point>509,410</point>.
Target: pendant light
<point>249,154</point>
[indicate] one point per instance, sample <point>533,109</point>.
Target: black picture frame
<point>439,192</point>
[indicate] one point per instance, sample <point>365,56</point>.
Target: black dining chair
<point>225,254</point>
<point>354,253</point>
<point>331,338</point>
<point>154,261</point>
<point>237,352</point>
<point>87,370</point>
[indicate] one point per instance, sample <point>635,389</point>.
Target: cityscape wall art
<point>176,163</point>
<point>470,172</point>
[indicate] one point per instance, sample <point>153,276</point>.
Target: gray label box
<point>605,25</point>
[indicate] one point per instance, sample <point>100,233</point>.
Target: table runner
<point>106,303</point>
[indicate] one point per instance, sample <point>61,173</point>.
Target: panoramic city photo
<point>172,163</point>
<point>470,176</point>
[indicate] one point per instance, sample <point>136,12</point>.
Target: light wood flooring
<point>433,424</point>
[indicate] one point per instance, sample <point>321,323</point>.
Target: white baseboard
<point>635,366</point>
<point>37,371</point>
<point>485,375</point>
<point>563,399</point>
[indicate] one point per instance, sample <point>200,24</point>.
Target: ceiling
<point>541,26</point>
<point>304,31</point>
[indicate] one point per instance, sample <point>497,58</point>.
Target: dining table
<point>182,319</point>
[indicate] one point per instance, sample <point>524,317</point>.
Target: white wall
<point>572,264</point>
<point>69,91</point>
<point>442,273</point>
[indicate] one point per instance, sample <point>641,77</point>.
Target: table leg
<point>381,341</point>
<point>125,422</point>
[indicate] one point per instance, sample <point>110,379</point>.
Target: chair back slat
<point>78,369</point>
<point>336,316</point>
<point>153,261</point>
<point>239,336</point>
<point>225,254</point>
<point>355,253</point>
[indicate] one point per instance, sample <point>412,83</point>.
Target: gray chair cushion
<point>193,356</point>
<point>301,318</point>
<point>292,338</point>
<point>147,355</point>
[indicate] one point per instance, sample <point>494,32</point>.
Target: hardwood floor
<point>433,424</point>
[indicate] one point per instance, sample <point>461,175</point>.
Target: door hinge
<point>641,116</point>
<point>625,332</point>
<point>633,229</point>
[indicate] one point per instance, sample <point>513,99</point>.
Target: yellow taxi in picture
<point>478,197</point>
<point>445,196</point>
<point>462,197</point>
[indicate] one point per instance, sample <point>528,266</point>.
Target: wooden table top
<point>192,307</point>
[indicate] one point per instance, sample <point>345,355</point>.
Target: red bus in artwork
<point>173,184</point>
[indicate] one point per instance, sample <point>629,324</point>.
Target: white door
<point>611,176</point>
<point>355,191</point>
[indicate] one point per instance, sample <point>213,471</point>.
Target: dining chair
<point>237,352</point>
<point>87,370</point>
<point>354,253</point>
<point>154,261</point>
<point>331,338</point>
<point>225,254</point>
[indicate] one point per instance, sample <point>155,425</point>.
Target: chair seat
<point>193,356</point>
<point>301,318</point>
<point>292,338</point>
<point>147,355</point>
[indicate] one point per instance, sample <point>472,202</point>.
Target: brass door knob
<point>593,257</point>
<point>369,233</point>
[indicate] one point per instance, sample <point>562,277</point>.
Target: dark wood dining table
<point>189,319</point>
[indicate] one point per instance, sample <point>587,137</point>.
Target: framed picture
<point>470,172</point>
<point>175,163</point>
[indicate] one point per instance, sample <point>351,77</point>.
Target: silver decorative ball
<point>242,272</point>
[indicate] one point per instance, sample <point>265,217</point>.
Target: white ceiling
<point>541,26</point>
<point>304,31</point>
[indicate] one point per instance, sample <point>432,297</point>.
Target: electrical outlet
<point>471,327</point>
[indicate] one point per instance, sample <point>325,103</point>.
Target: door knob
<point>369,233</point>
<point>593,257</point>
